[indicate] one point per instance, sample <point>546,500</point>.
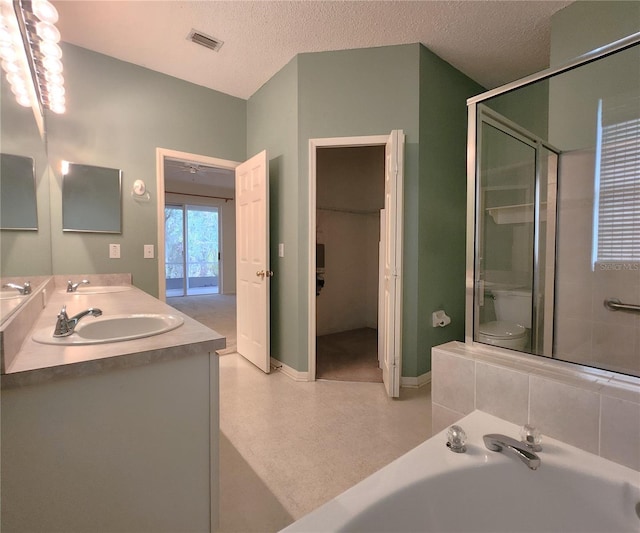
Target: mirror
<point>24,253</point>
<point>91,198</point>
<point>18,193</point>
<point>557,216</point>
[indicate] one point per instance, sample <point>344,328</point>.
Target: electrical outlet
<point>114,251</point>
<point>148,251</point>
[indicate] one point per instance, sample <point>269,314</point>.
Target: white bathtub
<point>431,489</point>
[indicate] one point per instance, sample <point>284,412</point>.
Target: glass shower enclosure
<point>515,196</point>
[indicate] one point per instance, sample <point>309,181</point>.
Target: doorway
<point>349,198</point>
<point>199,182</point>
<point>192,250</point>
<point>388,258</point>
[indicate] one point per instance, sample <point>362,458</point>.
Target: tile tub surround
<point>595,410</point>
<point>35,363</point>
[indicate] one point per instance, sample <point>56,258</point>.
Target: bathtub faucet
<point>502,443</point>
<point>65,326</point>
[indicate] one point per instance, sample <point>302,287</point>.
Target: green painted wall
<point>25,253</point>
<point>358,93</point>
<point>272,124</point>
<point>442,205</point>
<point>118,114</point>
<point>367,91</point>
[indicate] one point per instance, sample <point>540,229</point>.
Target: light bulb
<point>47,32</point>
<point>52,64</point>
<point>10,66</point>
<point>58,107</point>
<point>45,11</point>
<point>54,77</point>
<point>24,100</point>
<point>50,49</point>
<point>55,91</point>
<point>8,53</point>
<point>16,79</point>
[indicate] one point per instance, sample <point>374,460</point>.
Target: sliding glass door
<point>192,250</point>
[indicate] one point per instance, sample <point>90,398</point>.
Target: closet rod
<point>199,195</point>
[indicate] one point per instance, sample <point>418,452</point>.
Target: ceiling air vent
<point>205,40</point>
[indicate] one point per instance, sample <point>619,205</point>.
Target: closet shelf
<point>516,214</point>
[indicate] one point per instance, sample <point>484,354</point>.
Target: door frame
<point>161,154</point>
<point>314,144</point>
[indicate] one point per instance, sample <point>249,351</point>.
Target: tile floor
<point>287,447</point>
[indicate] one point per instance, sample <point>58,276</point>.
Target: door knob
<point>269,273</point>
<point>260,273</point>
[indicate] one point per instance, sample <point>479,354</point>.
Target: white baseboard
<point>416,383</point>
<point>294,374</point>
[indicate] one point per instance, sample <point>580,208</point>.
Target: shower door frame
<point>508,127</point>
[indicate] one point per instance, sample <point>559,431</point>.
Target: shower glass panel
<point>554,211</point>
<point>514,171</point>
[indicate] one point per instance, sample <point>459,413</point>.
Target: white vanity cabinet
<point>125,442</point>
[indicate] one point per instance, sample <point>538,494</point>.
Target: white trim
<point>161,153</point>
<point>292,373</point>
<point>416,383</point>
<point>330,142</point>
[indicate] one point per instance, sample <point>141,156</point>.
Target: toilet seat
<point>502,330</point>
<point>504,334</point>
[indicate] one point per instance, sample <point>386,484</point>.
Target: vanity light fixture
<point>30,54</point>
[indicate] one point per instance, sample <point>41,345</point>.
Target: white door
<point>391,282</point>
<point>252,260</point>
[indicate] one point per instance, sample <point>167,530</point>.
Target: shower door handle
<point>613,304</point>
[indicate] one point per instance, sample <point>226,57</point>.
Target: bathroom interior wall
<point>350,194</point>
<point>272,124</point>
<point>441,197</point>
<point>118,114</point>
<point>585,331</point>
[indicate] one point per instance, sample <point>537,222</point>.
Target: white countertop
<point>36,362</point>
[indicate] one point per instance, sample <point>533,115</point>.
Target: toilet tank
<point>513,305</point>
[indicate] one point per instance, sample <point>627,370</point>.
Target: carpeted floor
<point>216,311</point>
<point>345,356</point>
<point>348,356</point>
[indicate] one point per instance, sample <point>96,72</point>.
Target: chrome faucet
<point>73,287</point>
<point>65,326</point>
<point>22,289</point>
<point>502,443</point>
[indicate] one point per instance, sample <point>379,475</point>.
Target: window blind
<point>618,195</point>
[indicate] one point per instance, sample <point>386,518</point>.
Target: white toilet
<point>513,313</point>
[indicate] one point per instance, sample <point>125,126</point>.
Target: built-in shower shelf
<point>516,214</point>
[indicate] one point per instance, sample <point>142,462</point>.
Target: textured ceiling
<point>493,42</point>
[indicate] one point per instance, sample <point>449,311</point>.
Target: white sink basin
<point>97,289</point>
<point>10,294</point>
<point>114,328</point>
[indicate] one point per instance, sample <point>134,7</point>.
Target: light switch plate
<point>281,249</point>
<point>148,251</point>
<point>114,251</point>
